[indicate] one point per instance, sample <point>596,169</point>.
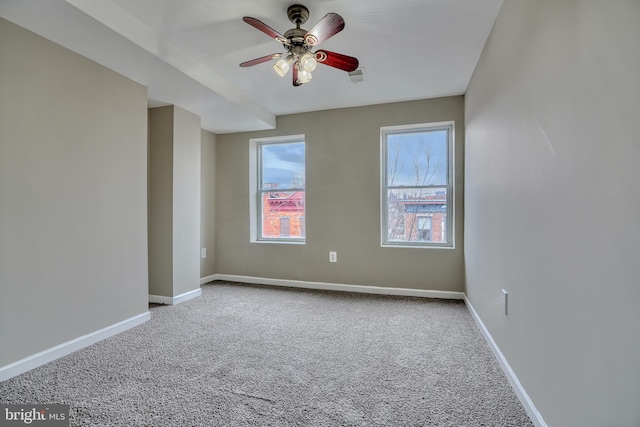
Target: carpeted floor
<point>266,356</point>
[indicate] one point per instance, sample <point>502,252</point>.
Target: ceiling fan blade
<point>330,25</point>
<point>337,60</point>
<point>294,70</point>
<point>259,25</point>
<point>260,60</point>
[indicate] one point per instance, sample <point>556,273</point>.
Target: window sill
<point>280,242</point>
<point>405,246</point>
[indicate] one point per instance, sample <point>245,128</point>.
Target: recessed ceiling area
<point>187,52</point>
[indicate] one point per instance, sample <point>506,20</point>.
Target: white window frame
<point>450,217</point>
<point>255,201</point>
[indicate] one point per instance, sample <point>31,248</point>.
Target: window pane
<point>417,158</point>
<point>417,215</point>
<point>282,165</point>
<point>283,214</point>
<point>284,226</point>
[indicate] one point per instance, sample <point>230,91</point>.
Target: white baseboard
<point>208,279</point>
<point>159,299</point>
<point>53,353</point>
<point>527,403</point>
<point>378,290</point>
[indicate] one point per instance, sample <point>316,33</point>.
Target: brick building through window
<point>283,214</point>
<point>422,219</point>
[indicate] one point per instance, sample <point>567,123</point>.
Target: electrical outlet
<point>203,253</point>
<point>333,256</point>
<point>505,302</point>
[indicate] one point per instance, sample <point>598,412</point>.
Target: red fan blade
<point>337,60</point>
<point>330,25</point>
<point>261,60</point>
<point>259,25</point>
<point>294,70</point>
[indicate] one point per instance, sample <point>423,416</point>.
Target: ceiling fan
<point>299,44</point>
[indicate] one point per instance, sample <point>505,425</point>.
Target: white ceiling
<point>187,51</point>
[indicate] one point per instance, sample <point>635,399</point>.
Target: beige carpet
<point>266,356</point>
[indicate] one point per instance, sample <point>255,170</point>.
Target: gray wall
<point>161,201</point>
<point>552,206</point>
<point>174,201</point>
<point>186,201</point>
<point>343,203</point>
<point>73,214</point>
<point>208,203</point>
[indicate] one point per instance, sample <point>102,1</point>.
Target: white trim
<point>378,290</point>
<point>60,350</point>
<point>208,279</point>
<point>281,242</point>
<point>524,398</point>
<point>416,126</point>
<point>417,246</point>
<point>253,190</point>
<point>277,139</point>
<point>159,299</point>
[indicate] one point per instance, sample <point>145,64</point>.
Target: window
<point>424,228</point>
<point>277,189</point>
<point>417,185</point>
<point>284,226</point>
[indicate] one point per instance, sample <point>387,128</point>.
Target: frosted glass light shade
<point>308,62</point>
<point>304,76</point>
<point>282,66</point>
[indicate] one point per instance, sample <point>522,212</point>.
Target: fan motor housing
<point>295,36</point>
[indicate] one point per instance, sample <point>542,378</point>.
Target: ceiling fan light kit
<point>299,44</point>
